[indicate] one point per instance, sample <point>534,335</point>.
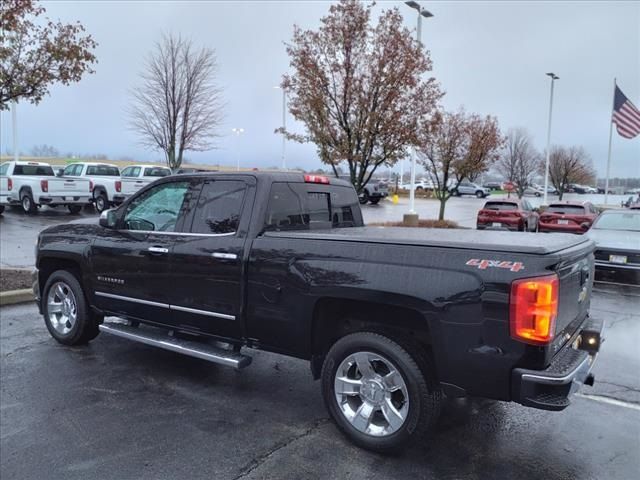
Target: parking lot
<point>121,410</point>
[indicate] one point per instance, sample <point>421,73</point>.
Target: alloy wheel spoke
<point>60,292</point>
<point>347,386</point>
<point>364,365</point>
<point>363,415</point>
<point>392,381</point>
<point>55,308</point>
<point>392,415</point>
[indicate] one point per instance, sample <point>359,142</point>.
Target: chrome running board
<point>203,351</point>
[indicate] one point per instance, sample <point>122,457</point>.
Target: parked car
<point>494,186</point>
<point>617,237</point>
<point>631,202</point>
<point>468,188</point>
<point>420,185</point>
<point>581,189</point>
<point>282,262</point>
<point>105,182</point>
<point>568,217</point>
<point>33,184</point>
<point>143,175</point>
<point>373,192</point>
<point>534,190</point>
<point>516,215</point>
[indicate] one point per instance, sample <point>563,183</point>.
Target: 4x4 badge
<point>484,264</point>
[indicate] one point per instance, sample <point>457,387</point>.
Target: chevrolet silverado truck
<point>391,320</point>
<point>138,176</point>
<point>33,184</point>
<point>106,185</point>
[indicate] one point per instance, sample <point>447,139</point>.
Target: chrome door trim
<point>202,312</point>
<point>134,300</point>
<point>183,234</point>
<point>224,256</point>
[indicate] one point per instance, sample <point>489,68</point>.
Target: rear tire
<point>1,208</point>
<point>74,209</point>
<point>66,312</point>
<point>479,194</point>
<point>381,392</point>
<point>374,201</point>
<point>101,202</point>
<point>363,198</point>
<point>28,205</point>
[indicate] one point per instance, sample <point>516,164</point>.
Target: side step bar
<point>199,350</point>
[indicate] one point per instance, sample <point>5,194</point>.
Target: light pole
<point>554,77</point>
<point>412,216</point>
<point>237,132</point>
<point>14,127</point>
<point>284,125</point>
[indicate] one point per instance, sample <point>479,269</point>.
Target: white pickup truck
<point>33,184</point>
<point>143,175</point>
<point>107,187</point>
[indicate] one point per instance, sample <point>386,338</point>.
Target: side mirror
<point>60,172</point>
<point>536,210</point>
<point>585,226</point>
<point>108,219</point>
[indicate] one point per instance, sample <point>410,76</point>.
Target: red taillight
<point>91,185</point>
<point>44,185</point>
<point>316,179</point>
<point>9,184</point>
<point>118,186</point>
<point>533,310</point>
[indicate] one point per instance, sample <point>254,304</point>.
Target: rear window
<point>500,206</point>
<point>103,171</point>
<point>303,206</point>
<point>156,172</point>
<point>40,170</point>
<point>569,209</point>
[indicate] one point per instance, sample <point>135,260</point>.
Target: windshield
<point>618,221</point>
<point>40,170</point>
<point>575,209</point>
<point>103,171</point>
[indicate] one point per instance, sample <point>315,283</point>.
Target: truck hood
<point>515,242</point>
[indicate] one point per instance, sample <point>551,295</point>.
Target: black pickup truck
<point>391,319</point>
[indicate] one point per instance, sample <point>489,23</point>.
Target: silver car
<point>468,188</point>
<point>617,237</point>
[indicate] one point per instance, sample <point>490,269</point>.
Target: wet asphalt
<point>120,410</point>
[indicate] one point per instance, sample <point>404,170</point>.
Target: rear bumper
<point>64,200</point>
<point>554,227</point>
<point>504,225</point>
<point>551,388</point>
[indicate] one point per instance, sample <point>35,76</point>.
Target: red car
<point>568,217</point>
<point>517,215</point>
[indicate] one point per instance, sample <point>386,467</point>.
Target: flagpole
<point>606,182</point>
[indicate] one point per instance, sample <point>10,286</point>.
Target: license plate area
<point>618,259</point>
<point>562,221</point>
<point>496,224</point>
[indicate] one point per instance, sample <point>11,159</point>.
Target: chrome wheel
<point>371,394</point>
<point>62,309</point>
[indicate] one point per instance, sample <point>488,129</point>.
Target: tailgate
<point>131,185</point>
<point>576,283</point>
<point>75,187</point>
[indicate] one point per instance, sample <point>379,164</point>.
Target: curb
<point>16,296</point>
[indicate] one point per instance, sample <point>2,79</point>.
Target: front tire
<point>66,312</point>
<point>374,201</point>
<point>479,194</point>
<point>363,198</point>
<point>381,392</point>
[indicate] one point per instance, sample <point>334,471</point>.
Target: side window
<point>294,206</point>
<point>3,168</point>
<point>131,172</point>
<point>70,170</point>
<point>219,207</point>
<point>157,209</point>
<point>126,172</point>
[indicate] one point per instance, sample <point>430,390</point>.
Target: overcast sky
<point>490,57</point>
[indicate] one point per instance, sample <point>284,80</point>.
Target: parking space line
<point>610,401</point>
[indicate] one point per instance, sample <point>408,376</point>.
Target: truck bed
<point>516,242</point>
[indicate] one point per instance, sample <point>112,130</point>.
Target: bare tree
<point>567,166</point>
<point>45,151</point>
<point>456,146</point>
<point>37,52</point>
<point>519,160</point>
<point>178,106</point>
<point>358,88</point>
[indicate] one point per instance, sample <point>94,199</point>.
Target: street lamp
<point>553,77</point>
<point>237,132</point>
<point>284,124</point>
<point>412,217</point>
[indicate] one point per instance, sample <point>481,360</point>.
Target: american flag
<point>625,115</point>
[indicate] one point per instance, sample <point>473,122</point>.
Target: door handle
<point>158,250</point>
<point>224,256</point>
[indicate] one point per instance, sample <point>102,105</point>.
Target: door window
<point>157,209</point>
<point>131,172</point>
<point>73,170</point>
<point>219,207</point>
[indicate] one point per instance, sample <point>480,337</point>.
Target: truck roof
<point>94,164</point>
<point>22,162</point>
<point>276,177</point>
